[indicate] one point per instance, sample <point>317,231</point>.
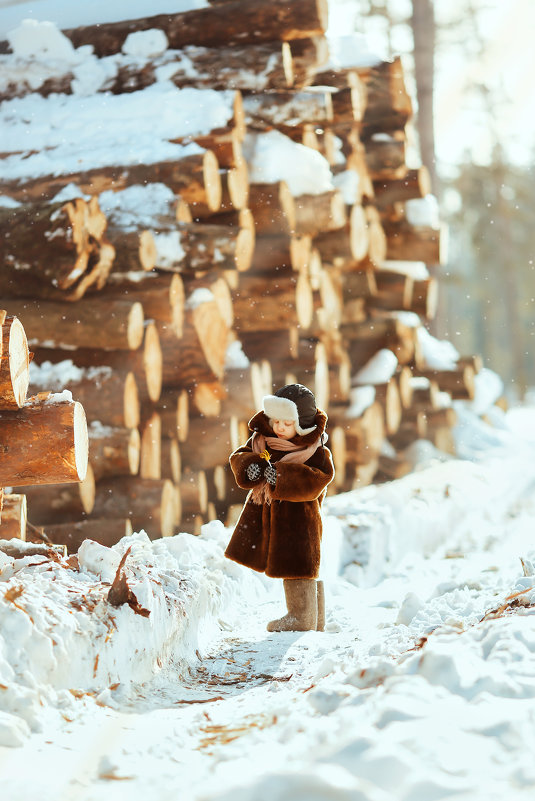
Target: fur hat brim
<point>277,408</point>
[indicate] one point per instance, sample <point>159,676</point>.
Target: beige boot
<point>321,606</point>
<point>302,604</point>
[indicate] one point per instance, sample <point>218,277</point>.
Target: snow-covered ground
<point>422,686</point>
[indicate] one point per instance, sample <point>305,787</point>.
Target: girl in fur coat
<point>287,468</point>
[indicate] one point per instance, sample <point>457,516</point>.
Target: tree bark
<point>44,442</point>
<point>95,322</point>
<point>239,22</point>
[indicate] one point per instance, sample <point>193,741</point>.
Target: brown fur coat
<point>282,539</point>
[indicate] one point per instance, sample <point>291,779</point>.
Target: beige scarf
<point>297,454</point>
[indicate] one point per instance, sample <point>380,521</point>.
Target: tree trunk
<point>44,442</point>
<point>423,31</point>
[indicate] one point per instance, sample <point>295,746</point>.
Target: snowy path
<point>407,696</point>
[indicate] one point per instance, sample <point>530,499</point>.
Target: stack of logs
<point>170,328</point>
<point>43,439</point>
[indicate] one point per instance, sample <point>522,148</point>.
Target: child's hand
<point>253,472</point>
<point>270,474</point>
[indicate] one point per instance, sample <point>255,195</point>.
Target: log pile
<point>43,439</point>
<point>270,240</point>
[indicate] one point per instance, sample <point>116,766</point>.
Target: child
<point>287,468</point>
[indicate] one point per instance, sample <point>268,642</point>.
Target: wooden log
<point>337,446</point>
<point>94,322</point>
<point>245,388</point>
<point>205,399</point>
<point>273,208</point>
<point>416,183</point>
<point>44,442</point>
<point>281,254</point>
<point>445,417</point>
<point>366,338</point>
<point>392,468</point>
<point>424,299</point>
<point>443,439</point>
<point>458,383</point>
<point>162,296</point>
<point>388,105</point>
<point>425,394</point>
<point>14,364</point>
<point>364,434</point>
<point>260,304</point>
<point>193,492</point>
<point>173,410</point>
<point>195,177</point>
<point>149,504</point>
<point>256,67</point>
<point>150,463</point>
<point>284,110</point>
<point>377,242</point>
<point>403,377</point>
<point>63,233</point>
<point>319,213</point>
<point>348,244</point>
<point>105,531</point>
<point>311,368</point>
<point>302,59</point>
<point>171,460</point>
<point>200,354</point>
<point>14,517</point>
<point>409,431</point>
<point>113,451</point>
<point>271,346</point>
<point>385,156</point>
<point>61,503</point>
<point>340,381</point>
<point>228,23</point>
<point>18,551</point>
<point>191,247</point>
<point>475,361</point>
<point>211,441</point>
<point>108,395</point>
<point>387,395</point>
<point>413,243</point>
<point>394,291</point>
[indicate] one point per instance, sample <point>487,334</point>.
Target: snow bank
<point>58,631</point>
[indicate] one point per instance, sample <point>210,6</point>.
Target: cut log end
<point>134,450</point>
<point>134,334</point>
<point>212,181</point>
<point>168,509</point>
<point>131,406</point>
<point>152,362</point>
<point>17,373</point>
<point>81,441</point>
